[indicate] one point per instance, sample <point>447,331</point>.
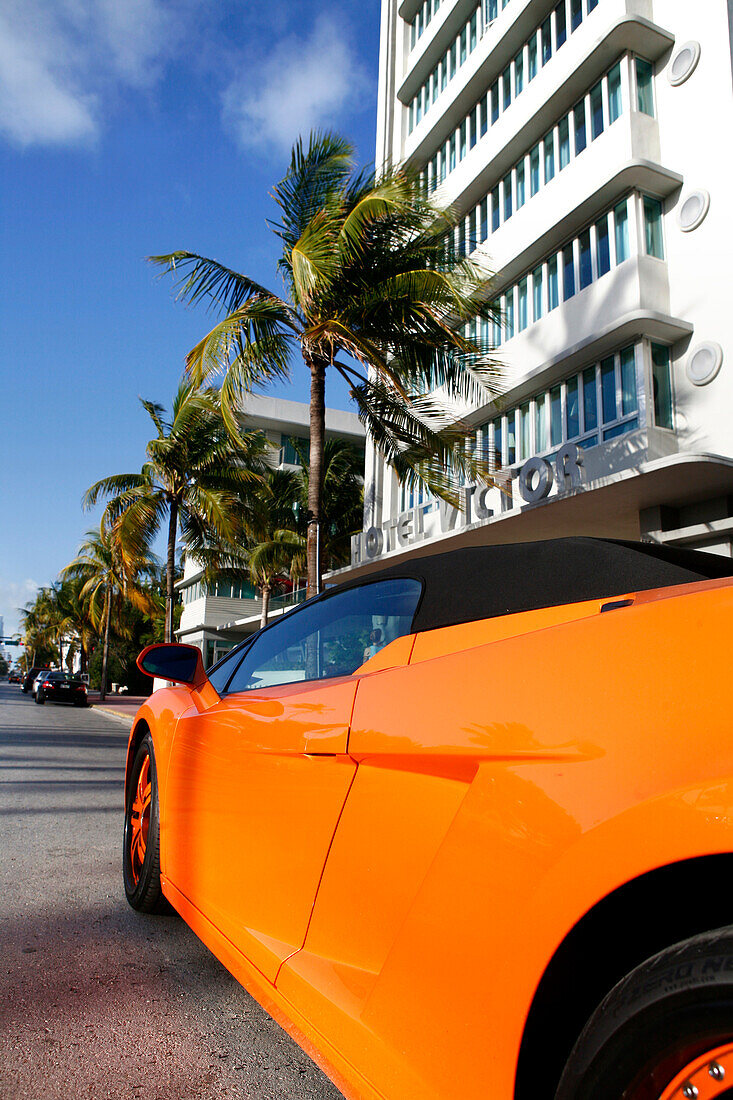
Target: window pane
<point>563,132</point>
<point>496,325</point>
<point>621,429</point>
<point>329,637</point>
<point>506,85</point>
<point>498,449</point>
<point>473,128</point>
<point>494,101</point>
<point>628,381</point>
<point>546,37</point>
<point>596,111</point>
<point>576,14</point>
<point>653,228</point>
<point>534,170</point>
<point>586,266</point>
<point>484,113</point>
<point>603,247</point>
<point>555,416</point>
<point>537,293</point>
<point>495,210</point>
<point>549,150</point>
<point>507,196</point>
<point>614,94</point>
<point>540,425</point>
<point>592,4</point>
<point>568,273</point>
<point>523,441</point>
<point>484,216</point>
<point>463,45</point>
<point>532,57</point>
<point>621,221</point>
<point>509,314</point>
<point>590,402</point>
<point>474,31</point>
<point>519,72</point>
<point>579,121</point>
<point>553,291</point>
<point>511,448</point>
<point>644,90</point>
<point>561,30</point>
<point>520,184</point>
<point>662,380</point>
<point>523,306</point>
<point>572,409</point>
<point>608,389</point>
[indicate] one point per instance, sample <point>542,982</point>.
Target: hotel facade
<point>586,147</point>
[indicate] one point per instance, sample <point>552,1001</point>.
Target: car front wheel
<point>141,851</point>
<point>665,1032</point>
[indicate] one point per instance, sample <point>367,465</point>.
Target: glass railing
<point>288,599</point>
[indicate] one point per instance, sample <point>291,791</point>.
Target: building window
<point>495,210</point>
<point>579,120</point>
<point>507,184</point>
<point>653,228</point>
<point>576,14</point>
<point>596,111</point>
<point>621,222</point>
<point>534,170</point>
<point>586,264</point>
<point>555,416</point>
<point>603,247</point>
<point>522,309</point>
<point>523,440</point>
<point>553,290</point>
<point>540,423</point>
<point>572,409</point>
<point>644,87</point>
<point>532,57</point>
<point>509,314</point>
<point>590,400</point>
<point>628,381</point>
<point>608,389</point>
<point>519,175</point>
<point>568,273</point>
<point>494,102</point>
<point>614,94</point>
<point>561,30</point>
<point>549,151</point>
<point>537,293</point>
<point>564,142</point>
<point>506,84</point>
<point>662,384</point>
<point>519,73</point>
<point>546,40</point>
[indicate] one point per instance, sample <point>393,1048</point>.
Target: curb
<point>117,715</point>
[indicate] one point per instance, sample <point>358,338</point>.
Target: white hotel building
<point>587,146</point>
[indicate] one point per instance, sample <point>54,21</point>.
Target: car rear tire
<point>665,1032</point>
<point>141,844</point>
<point>40,698</point>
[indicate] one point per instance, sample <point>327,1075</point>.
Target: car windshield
<point>60,677</point>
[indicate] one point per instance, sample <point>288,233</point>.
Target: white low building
<point>216,617</point>
<point>586,145</point>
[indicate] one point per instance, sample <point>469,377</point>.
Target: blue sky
<point>128,128</point>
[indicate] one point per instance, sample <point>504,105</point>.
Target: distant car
<point>31,676</point>
<point>14,677</point>
<point>435,815</point>
<point>61,687</point>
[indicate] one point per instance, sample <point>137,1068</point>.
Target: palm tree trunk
<point>105,651</point>
<point>265,604</point>
<point>169,570</point>
<point>315,475</point>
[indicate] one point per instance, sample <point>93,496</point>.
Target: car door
<point>257,782</point>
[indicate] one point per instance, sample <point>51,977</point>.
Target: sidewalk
<point>119,706</point>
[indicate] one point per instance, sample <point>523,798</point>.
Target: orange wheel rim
<point>706,1078</point>
<point>140,820</point>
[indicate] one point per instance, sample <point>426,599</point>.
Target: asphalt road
<point>96,1000</point>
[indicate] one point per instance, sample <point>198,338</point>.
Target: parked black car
<point>30,677</point>
<point>62,687</point>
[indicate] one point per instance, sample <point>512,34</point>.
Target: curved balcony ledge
<point>553,91</point>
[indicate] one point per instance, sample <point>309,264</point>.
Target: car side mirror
<point>172,661</point>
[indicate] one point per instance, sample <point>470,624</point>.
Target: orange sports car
<point>465,826</point>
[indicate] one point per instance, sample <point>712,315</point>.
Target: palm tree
<point>342,506</point>
<point>374,292</point>
<point>194,473</point>
<point>111,572</point>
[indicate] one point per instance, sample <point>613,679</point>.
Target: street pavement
<point>97,1000</point>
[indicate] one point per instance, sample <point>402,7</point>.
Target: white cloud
<point>13,595</point>
<point>301,85</point>
<point>61,59</point>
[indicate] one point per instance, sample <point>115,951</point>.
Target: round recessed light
<point>684,62</point>
<point>693,209</point>
<point>704,362</point>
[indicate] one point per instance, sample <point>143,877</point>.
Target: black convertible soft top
<point>461,586</point>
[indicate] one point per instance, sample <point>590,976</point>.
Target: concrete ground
<point>95,999</point>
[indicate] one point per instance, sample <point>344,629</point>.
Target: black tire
<point>671,1009</point>
<point>40,698</point>
<point>142,877</point>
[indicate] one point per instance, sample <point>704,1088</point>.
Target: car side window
<point>331,636</point>
<point>220,673</point>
